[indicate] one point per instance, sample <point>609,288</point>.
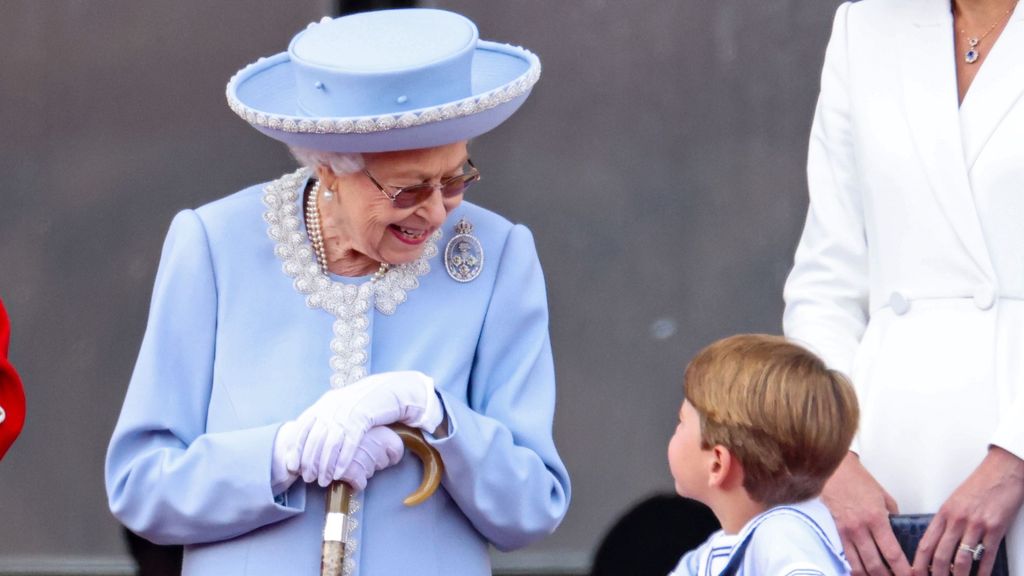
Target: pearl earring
<point>328,193</point>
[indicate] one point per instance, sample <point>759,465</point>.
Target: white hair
<point>340,163</point>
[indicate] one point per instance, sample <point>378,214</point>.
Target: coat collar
<point>812,513</point>
<point>933,114</point>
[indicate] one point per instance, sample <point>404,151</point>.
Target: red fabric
<point>12,395</point>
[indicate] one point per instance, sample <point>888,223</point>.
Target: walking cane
<point>339,496</point>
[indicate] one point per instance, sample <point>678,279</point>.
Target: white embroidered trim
<point>381,123</point>
<point>348,303</point>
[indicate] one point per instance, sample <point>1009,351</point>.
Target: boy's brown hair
<point>778,409</point>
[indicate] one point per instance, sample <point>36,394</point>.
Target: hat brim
<point>265,95</point>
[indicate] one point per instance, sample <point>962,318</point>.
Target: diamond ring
<point>975,552</point>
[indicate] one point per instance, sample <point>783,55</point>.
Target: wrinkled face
<point>362,219</point>
<point>686,459</point>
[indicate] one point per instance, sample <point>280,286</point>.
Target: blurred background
<point>659,163</point>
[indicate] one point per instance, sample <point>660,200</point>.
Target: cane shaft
<point>332,554</point>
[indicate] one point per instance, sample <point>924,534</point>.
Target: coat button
<point>899,303</point>
<point>3,415</point>
<point>984,297</point>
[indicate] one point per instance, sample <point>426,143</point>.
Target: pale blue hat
<point>386,80</point>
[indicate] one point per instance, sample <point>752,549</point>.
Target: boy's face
<point>686,459</point>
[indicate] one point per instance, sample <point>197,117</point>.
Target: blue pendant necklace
<point>972,54</point>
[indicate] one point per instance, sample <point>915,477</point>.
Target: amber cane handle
<point>433,467</point>
<point>339,497</point>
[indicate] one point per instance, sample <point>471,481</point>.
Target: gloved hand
<point>380,448</point>
<point>281,478</point>
<point>332,428</point>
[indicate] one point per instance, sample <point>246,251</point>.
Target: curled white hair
<point>339,162</point>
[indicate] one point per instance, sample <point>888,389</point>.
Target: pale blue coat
<point>231,351</point>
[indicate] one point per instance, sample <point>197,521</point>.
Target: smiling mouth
<point>408,235</point>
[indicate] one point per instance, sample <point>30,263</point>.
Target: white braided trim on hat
<point>381,123</point>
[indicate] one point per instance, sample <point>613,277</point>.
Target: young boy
<point>763,425</point>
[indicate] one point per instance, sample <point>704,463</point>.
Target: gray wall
<point>659,163</point>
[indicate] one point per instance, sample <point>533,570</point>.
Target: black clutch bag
<point>909,528</point>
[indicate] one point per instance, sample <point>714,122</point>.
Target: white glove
<point>380,448</point>
<point>281,478</point>
<point>332,428</point>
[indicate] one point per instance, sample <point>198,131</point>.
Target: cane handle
<point>433,467</point>
<point>332,554</point>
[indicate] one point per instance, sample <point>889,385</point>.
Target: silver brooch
<point>464,256</point>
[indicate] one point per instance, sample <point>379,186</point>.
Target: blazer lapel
<point>933,115</point>
<point>997,88</point>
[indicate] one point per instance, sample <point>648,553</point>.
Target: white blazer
<point>909,276</point>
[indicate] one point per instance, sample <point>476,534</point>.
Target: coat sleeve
<point>1009,434</point>
<point>167,479</point>
<point>826,293</point>
<point>501,466</point>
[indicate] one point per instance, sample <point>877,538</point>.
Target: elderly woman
<point>293,321</point>
<point>910,275</point>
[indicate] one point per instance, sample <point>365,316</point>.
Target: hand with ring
<point>974,519</point>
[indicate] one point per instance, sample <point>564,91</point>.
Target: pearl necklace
<point>972,54</point>
<point>316,234</point>
<point>293,246</point>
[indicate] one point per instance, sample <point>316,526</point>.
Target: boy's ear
<point>724,469</point>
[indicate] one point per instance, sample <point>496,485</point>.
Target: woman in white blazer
<point>909,276</point>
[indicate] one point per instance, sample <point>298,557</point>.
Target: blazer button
<point>984,297</point>
<point>899,303</point>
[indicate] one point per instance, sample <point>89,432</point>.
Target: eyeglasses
<point>410,196</point>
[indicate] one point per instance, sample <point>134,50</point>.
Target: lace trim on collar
<point>283,218</point>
